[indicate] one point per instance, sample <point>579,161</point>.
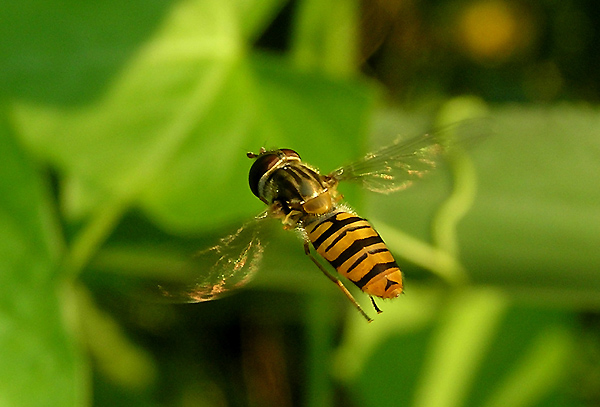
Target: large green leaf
<point>144,119</point>
<point>536,216</point>
<point>171,132</point>
<point>68,52</point>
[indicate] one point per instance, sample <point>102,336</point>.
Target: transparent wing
<point>226,266</point>
<point>396,167</point>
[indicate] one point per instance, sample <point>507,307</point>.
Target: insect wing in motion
<point>397,166</point>
<point>226,266</point>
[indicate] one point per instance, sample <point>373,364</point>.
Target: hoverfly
<point>302,198</point>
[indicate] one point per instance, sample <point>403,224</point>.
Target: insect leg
<point>375,305</point>
<point>337,282</point>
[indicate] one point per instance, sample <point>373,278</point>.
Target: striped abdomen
<point>356,251</point>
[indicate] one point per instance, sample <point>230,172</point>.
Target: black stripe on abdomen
<point>377,269</point>
<point>354,248</point>
<point>332,225</point>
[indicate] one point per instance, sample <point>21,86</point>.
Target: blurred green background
<point>123,133</point>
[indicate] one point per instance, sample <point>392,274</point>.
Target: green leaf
<point>535,219</point>
<point>67,53</point>
<point>121,142</point>
<point>172,131</point>
<point>39,362</point>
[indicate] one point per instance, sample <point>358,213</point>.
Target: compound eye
<point>290,153</point>
<point>263,163</point>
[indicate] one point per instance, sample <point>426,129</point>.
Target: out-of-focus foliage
<point>123,133</point>
<point>503,51</point>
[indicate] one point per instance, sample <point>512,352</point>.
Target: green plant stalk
<point>325,36</point>
<point>473,315</point>
<point>464,179</point>
<point>453,209</point>
<point>415,312</point>
<point>456,206</point>
<point>422,253</point>
<point>471,321</point>
<point>115,355</point>
<point>95,232</point>
<point>537,373</point>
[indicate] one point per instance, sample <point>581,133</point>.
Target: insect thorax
<point>297,190</point>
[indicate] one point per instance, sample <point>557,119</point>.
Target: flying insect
<point>303,199</point>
